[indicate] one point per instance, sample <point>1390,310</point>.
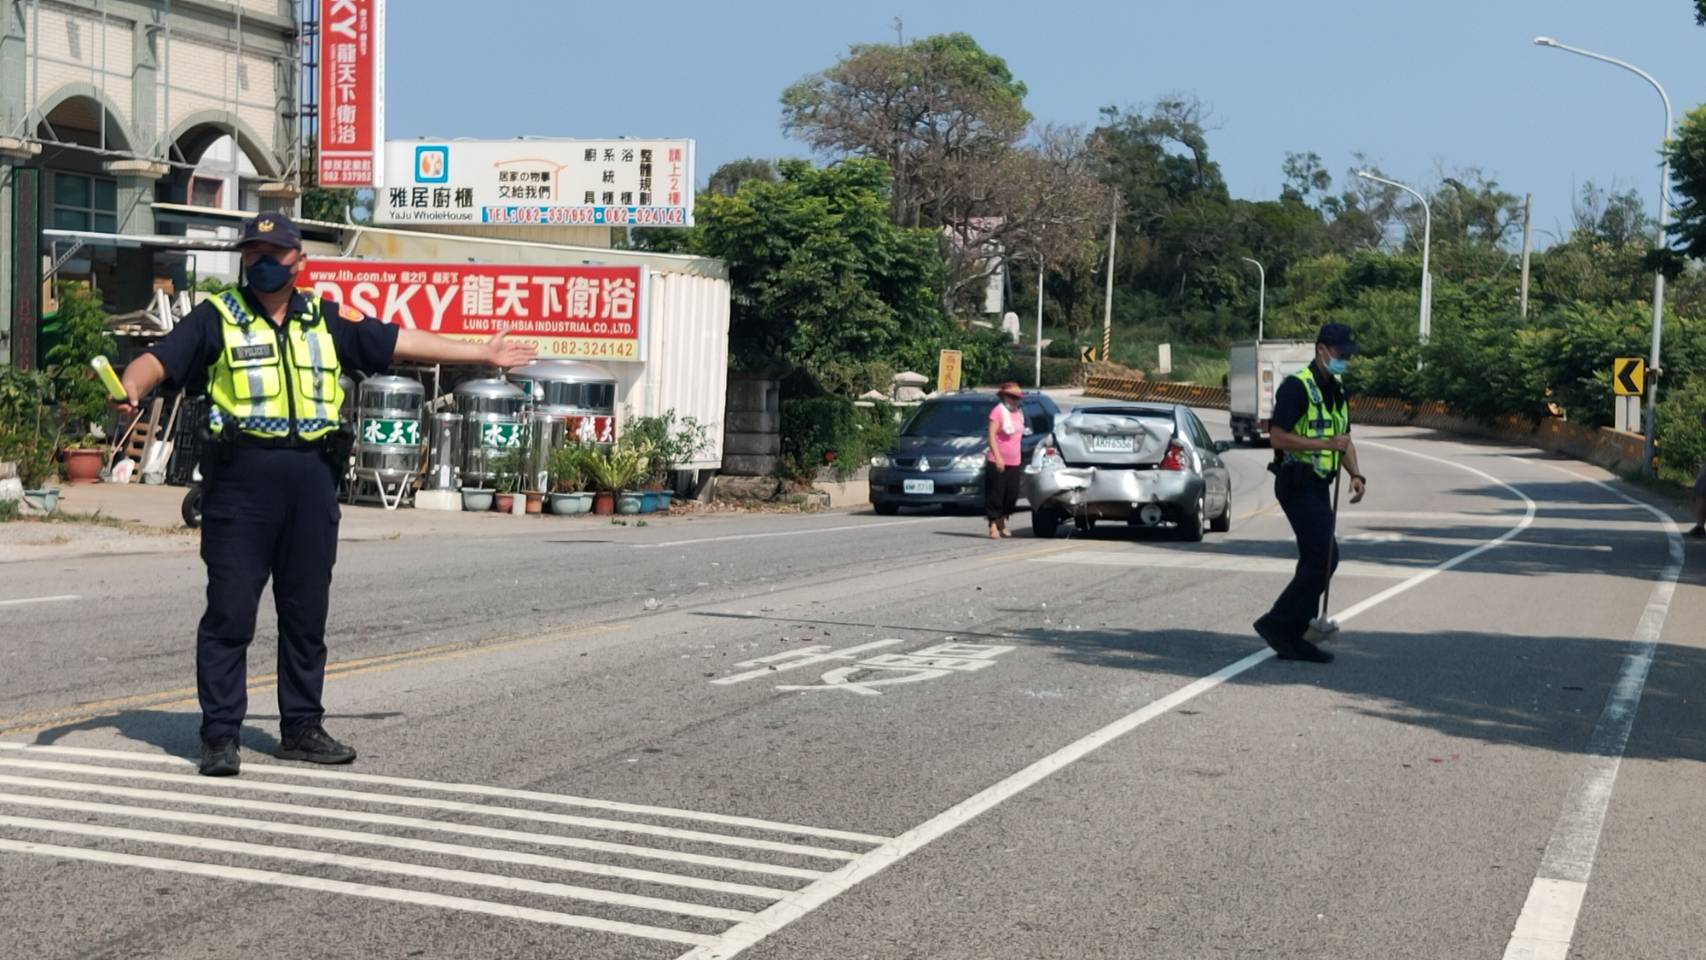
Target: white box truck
<point>1257,369</point>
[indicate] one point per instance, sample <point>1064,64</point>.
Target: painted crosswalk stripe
<point>324,885</point>
<point>299,830</point>
<point>373,865</point>
<point>415,823</point>
<point>459,788</point>
<point>516,813</point>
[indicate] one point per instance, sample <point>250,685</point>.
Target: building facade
<point>107,107</point>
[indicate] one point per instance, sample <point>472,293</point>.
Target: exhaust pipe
<point>1150,514</point>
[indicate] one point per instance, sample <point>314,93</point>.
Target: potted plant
<point>568,481</point>
<point>83,458</point>
<point>613,473</point>
<point>36,471</point>
<point>506,472</point>
<point>83,405</point>
<point>669,442</point>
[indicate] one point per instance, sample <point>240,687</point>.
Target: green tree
<point>726,180</point>
<point>932,110</point>
<point>1688,177</point>
<point>821,275</point>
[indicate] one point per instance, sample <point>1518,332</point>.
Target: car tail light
<point>1046,457</point>
<point>1175,458</point>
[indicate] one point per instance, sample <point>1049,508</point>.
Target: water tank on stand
<point>491,426</point>
<point>582,395</point>
<point>388,438</point>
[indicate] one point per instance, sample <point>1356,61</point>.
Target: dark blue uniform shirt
<point>363,346</point>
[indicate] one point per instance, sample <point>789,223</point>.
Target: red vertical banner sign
<point>352,93</point>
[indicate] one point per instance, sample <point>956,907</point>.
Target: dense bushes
<point>820,432</point>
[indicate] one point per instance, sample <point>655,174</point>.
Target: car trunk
<point>1112,439</point>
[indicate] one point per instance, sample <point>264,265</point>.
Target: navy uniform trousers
<point>266,513</point>
<point>1307,500</point>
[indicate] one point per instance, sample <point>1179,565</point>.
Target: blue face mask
<point>267,275</point>
<point>1337,366</point>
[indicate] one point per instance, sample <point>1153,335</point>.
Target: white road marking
<point>415,823</point>
<point>372,865</point>
<point>24,600</point>
<point>322,885</point>
<point>491,854</point>
<point>480,809</point>
<point>1221,562</point>
<point>742,936</point>
<point>457,788</point>
<point>1547,924</point>
<point>791,533</point>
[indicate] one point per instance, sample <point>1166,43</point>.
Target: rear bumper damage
<point>1111,493</point>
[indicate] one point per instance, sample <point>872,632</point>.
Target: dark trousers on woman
<point>1001,491</point>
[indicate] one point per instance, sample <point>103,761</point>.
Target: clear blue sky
<point>1415,85</point>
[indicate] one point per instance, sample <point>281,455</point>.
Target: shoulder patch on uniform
<point>351,314</point>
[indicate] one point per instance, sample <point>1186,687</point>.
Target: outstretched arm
<point>424,347</point>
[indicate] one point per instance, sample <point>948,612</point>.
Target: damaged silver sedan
<point>1147,464</point>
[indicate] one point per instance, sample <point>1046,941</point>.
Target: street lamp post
<point>1650,446</point>
<point>1262,298</point>
<point>1424,326</point>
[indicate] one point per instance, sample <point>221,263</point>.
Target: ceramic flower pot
<point>44,501</point>
<point>583,501</point>
<point>505,502</point>
<point>604,503</point>
<point>535,502</point>
<point>476,499</point>
<point>630,502</point>
<point>82,466</point>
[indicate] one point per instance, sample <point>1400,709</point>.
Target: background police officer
<point>1311,437</point>
<point>270,356</point>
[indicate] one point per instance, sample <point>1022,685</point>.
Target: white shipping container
<point>687,331</point>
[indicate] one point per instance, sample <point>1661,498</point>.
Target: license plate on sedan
<point>1102,444</point>
<point>919,486</point>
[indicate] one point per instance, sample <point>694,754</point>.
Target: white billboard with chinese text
<point>591,183</point>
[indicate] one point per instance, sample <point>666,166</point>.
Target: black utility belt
<point>324,444</point>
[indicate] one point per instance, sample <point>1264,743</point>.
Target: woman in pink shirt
<point>1003,469</point>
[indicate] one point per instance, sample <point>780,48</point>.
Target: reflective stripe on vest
<point>1320,423</point>
<point>265,375</point>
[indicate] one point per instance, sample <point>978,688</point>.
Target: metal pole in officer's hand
<point>1650,446</point>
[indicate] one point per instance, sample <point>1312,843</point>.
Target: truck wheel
<point>1045,524</point>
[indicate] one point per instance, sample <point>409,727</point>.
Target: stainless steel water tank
<point>545,433</point>
<point>388,435</point>
<point>444,458</point>
<point>491,424</point>
<point>566,387</point>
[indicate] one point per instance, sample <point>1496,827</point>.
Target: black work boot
<point>313,744</point>
<point>1302,649</point>
<point>1274,637</point>
<point>219,757</point>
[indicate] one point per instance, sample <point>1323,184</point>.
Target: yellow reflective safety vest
<point>1319,422</point>
<point>274,382</point>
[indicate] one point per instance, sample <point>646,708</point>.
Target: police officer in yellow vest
<point>270,356</point>
<point>1311,437</point>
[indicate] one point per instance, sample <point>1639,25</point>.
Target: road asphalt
<point>849,736</point>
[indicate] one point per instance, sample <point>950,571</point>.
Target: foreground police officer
<point>1311,435</point>
<point>270,356</point>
